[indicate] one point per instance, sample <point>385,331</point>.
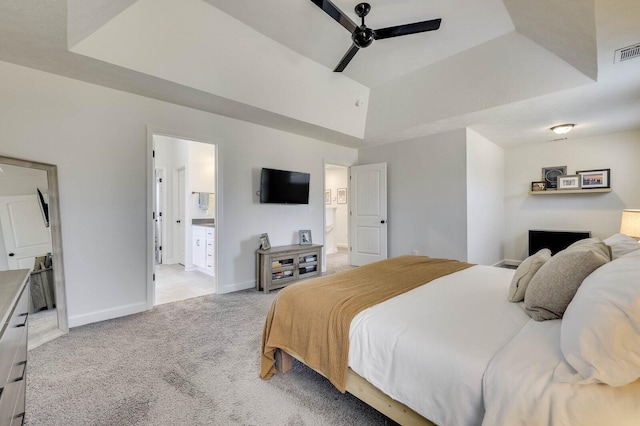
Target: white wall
<point>97,138</point>
<point>426,194</point>
<point>598,213</point>
<point>202,178</point>
<point>485,200</point>
<point>339,237</point>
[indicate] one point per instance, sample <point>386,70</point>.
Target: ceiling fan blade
<point>347,58</point>
<point>400,30</point>
<point>331,10</point>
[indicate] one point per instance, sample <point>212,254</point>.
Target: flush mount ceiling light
<point>562,128</point>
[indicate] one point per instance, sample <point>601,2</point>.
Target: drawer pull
<point>26,316</point>
<point>24,370</point>
<point>20,416</point>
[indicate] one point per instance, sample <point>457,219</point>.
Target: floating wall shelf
<point>570,191</point>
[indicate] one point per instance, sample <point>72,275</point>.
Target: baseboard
<point>230,288</point>
<point>344,246</point>
<point>106,314</point>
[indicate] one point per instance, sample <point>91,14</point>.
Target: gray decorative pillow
<point>552,288</point>
<point>526,270</point>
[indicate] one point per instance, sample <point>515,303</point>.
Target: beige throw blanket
<point>311,319</point>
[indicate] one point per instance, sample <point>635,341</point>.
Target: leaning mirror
<point>30,238</point>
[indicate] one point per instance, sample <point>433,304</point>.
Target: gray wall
<point>426,194</point>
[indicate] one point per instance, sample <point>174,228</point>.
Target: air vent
<point>627,53</point>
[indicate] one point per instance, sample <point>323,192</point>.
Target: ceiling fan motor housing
<point>362,36</point>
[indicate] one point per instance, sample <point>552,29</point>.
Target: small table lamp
<point>630,224</point>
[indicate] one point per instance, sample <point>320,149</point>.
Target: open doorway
<point>184,219</point>
<point>336,237</point>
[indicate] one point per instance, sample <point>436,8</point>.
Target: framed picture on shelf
<point>305,237</point>
<point>569,182</point>
<point>264,242</point>
<point>591,179</point>
<point>550,175</point>
<point>327,196</point>
<point>538,186</point>
<point>342,195</point>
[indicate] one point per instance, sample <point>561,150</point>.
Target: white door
<point>25,234</point>
<point>368,203</point>
<point>180,237</point>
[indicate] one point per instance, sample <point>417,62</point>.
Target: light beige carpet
<point>187,363</point>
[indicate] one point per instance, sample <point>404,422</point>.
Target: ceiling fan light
<point>562,128</point>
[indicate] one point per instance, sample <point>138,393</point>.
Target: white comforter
<point>522,387</point>
<point>438,371</point>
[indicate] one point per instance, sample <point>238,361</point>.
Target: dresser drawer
<point>14,335</point>
<point>19,409</point>
<point>12,406</point>
<point>8,398</point>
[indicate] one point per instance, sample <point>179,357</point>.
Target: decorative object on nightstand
<point>264,242</point>
<point>630,223</point>
<point>305,237</point>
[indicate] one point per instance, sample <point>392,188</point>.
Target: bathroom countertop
<point>208,223</point>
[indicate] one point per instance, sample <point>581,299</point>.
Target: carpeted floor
<point>338,261</point>
<point>187,363</point>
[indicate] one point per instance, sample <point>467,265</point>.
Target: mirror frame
<point>56,234</point>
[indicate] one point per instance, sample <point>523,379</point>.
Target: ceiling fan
<point>363,36</point>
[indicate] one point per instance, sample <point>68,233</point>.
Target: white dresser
<point>204,245</point>
<point>14,312</point>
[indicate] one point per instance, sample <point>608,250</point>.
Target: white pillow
<point>621,244</point>
<point>600,332</point>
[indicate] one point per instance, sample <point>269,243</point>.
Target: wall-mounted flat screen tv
<point>284,187</point>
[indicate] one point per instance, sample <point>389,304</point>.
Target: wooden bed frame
<point>366,392</point>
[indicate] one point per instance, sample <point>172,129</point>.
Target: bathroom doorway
<point>184,215</point>
<point>336,237</point>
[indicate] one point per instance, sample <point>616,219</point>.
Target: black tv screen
<point>554,240</point>
<point>283,187</point>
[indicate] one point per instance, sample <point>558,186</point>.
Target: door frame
<point>155,131</point>
<point>162,204</point>
<point>175,202</point>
